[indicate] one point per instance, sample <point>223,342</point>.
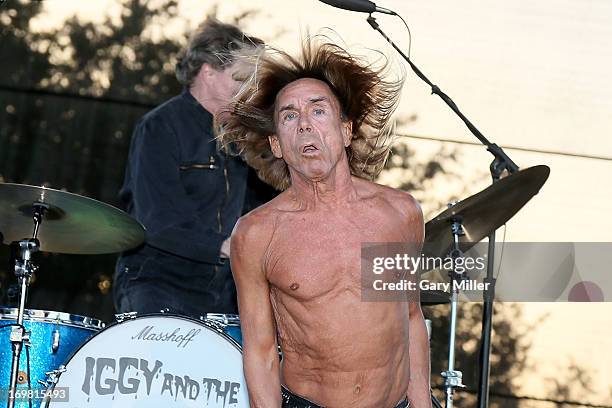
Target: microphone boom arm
<point>502,161</point>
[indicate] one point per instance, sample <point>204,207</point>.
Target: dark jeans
<point>290,400</point>
<point>155,283</point>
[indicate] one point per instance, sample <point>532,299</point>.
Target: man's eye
<point>319,111</point>
<point>290,116</point>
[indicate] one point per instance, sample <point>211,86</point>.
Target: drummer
<point>186,192</point>
<point>311,127</point>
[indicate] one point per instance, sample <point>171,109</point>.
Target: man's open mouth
<point>309,148</point>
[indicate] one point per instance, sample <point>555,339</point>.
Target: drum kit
<point>55,359</point>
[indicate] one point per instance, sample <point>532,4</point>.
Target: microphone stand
<point>500,163</point>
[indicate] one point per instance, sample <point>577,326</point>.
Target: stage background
<point>534,77</point>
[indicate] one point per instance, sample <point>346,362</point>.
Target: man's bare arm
<point>261,363</point>
<point>418,343</point>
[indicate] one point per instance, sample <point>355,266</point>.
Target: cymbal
<point>72,224</point>
<point>483,212</point>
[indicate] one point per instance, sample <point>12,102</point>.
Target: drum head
<point>154,361</point>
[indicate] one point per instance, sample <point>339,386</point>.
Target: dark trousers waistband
<point>291,400</point>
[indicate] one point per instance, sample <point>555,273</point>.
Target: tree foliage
<point>69,100</point>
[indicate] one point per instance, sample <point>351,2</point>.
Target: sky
<point>536,75</point>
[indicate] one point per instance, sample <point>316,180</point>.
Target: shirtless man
<point>297,259</point>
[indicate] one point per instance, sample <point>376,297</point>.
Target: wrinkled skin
<point>297,266</point>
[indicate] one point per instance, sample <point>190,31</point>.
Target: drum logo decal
<point>124,376</point>
<point>149,333</point>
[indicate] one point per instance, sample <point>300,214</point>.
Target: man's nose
<point>304,124</point>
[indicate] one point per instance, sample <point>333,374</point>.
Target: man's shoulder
<point>392,196</point>
<point>259,223</point>
<point>401,206</point>
<point>177,118</point>
<point>166,109</point>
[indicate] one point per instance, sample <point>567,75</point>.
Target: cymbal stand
<point>452,377</point>
<point>24,268</point>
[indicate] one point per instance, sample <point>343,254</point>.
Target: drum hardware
<point>218,326</point>
<point>120,317</point>
<point>225,319</point>
<point>24,268</point>
<point>22,377</point>
<point>434,297</point>
<point>484,211</point>
<point>56,341</point>
<point>65,223</point>
<point>51,377</point>
<point>452,377</point>
<point>72,224</point>
<point>228,324</point>
<point>41,327</point>
<point>470,221</point>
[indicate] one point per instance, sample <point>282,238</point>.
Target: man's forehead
<point>305,88</point>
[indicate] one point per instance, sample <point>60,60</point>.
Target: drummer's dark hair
<point>365,98</point>
<point>212,43</point>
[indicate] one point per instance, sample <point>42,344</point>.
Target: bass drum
<point>154,361</point>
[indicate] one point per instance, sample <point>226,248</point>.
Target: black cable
<point>27,350</point>
<point>104,99</point>
<point>409,34</point>
<point>434,400</point>
<point>517,148</point>
<point>149,105</point>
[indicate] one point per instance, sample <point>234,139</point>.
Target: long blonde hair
<point>365,98</point>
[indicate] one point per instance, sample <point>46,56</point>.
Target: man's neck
<point>335,190</point>
<point>198,91</point>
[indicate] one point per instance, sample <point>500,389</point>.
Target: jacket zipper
<point>227,188</point>
<point>210,165</point>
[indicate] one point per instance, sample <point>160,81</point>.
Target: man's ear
<point>275,146</point>
<point>206,72</point>
<point>348,132</point>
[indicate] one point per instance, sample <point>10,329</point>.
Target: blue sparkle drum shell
<point>54,336</point>
<point>229,323</point>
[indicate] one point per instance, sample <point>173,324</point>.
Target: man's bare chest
<point>309,257</point>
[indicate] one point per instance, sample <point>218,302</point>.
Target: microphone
<point>361,6</point>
